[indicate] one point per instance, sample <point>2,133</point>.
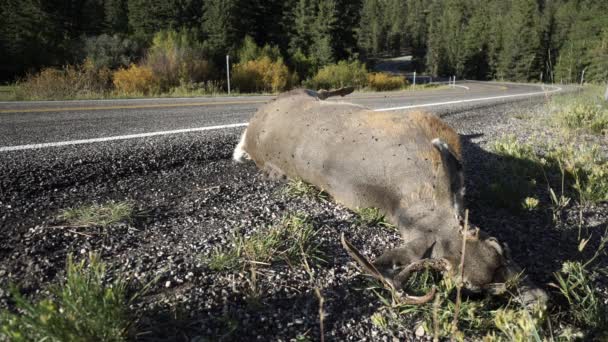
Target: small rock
<point>420,331</point>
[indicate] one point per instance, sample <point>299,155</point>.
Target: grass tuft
<point>289,241</point>
<point>83,308</point>
<point>98,215</point>
<point>299,188</point>
<point>371,217</point>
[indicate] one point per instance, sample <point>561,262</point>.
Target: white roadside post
<point>228,72</point>
<point>583,76</point>
<point>414,78</point>
<point>606,93</point>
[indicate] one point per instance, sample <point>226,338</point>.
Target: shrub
<point>83,308</point>
<point>67,83</point>
<point>112,52</point>
<point>586,116</point>
<point>176,57</point>
<point>339,75</point>
<point>136,80</point>
<point>262,75</point>
<point>382,82</point>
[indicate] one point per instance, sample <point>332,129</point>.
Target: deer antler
<point>402,277</point>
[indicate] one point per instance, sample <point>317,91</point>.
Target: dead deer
<point>406,164</point>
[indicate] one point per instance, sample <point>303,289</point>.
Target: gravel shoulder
<point>191,199</point>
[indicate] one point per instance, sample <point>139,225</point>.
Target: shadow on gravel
<point>538,243</point>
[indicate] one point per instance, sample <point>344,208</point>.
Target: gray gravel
<point>191,198</point>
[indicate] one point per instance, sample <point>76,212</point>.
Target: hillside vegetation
<point>178,47</point>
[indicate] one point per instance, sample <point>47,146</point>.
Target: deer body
<point>405,164</point>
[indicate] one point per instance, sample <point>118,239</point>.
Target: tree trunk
<point>606,94</point>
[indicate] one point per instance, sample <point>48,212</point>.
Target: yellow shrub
<point>136,80</point>
<point>381,82</point>
<point>261,75</point>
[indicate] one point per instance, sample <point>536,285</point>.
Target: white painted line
<point>243,124</point>
<point>118,137</point>
<point>469,100</point>
<point>461,86</point>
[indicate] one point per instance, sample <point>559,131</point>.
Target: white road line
<point>243,124</point>
<point>118,137</point>
<point>469,100</point>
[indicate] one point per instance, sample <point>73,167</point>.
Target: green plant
<point>371,217</point>
<point>299,188</point>
<point>530,203</point>
<point>586,307</point>
<point>82,308</point>
<point>289,241</point>
<point>113,52</point>
<point>342,74</point>
<point>98,215</point>
<point>178,57</point>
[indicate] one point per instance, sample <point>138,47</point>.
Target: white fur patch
<point>240,155</point>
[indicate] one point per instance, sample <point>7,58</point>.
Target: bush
<point>68,83</point>
<point>340,75</point>
<point>585,116</point>
<point>382,82</point>
<point>262,75</point>
<point>177,57</point>
<point>112,52</point>
<point>83,308</point>
<point>136,80</point>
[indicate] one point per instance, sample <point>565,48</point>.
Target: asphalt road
<point>25,123</point>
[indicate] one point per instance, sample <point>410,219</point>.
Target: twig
<point>436,304</point>
<point>317,293</point>
<point>460,279</point>
<point>80,233</point>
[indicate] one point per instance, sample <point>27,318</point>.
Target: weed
<point>98,215</point>
<point>286,242</point>
<point>530,203</point>
<point>586,307</point>
<point>299,188</point>
<point>371,217</point>
<point>83,308</point>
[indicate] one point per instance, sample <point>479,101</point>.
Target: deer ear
<point>496,245</point>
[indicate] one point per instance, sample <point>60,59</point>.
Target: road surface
<point>23,124</point>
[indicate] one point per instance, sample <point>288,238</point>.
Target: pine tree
<point>325,24</point>
<point>219,25</point>
<point>116,16</point>
<point>520,55</point>
<point>147,17</point>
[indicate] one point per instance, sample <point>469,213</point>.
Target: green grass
<point>82,308</point>
<point>299,188</point>
<point>7,93</point>
<point>371,217</point>
<point>289,241</point>
<point>567,169</point>
<point>98,215</point>
<point>585,110</point>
